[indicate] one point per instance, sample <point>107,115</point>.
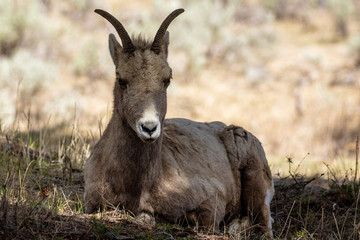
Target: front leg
<point>93,199</point>
<point>99,195</point>
<point>145,210</point>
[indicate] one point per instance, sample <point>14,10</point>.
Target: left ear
<point>165,44</point>
<point>115,49</point>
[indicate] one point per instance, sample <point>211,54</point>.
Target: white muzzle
<point>148,127</point>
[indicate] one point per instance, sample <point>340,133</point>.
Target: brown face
<point>142,75</point>
<point>142,80</point>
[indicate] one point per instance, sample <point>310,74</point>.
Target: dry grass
<point>42,197</point>
<point>287,71</point>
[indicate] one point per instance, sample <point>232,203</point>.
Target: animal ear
<point>115,48</point>
<point>165,43</point>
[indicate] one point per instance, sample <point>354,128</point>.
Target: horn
<point>156,45</point>
<point>124,36</point>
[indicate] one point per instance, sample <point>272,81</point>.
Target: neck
<point>137,162</point>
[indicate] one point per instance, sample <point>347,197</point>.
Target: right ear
<point>115,48</point>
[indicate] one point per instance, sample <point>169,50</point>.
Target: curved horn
<point>156,45</point>
<point>124,36</point>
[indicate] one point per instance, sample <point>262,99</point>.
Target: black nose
<point>149,128</point>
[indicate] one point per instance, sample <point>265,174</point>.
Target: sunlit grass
<point>311,167</point>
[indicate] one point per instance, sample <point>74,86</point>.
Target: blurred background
<point>286,70</point>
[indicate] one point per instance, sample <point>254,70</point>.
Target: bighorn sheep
<point>175,167</point>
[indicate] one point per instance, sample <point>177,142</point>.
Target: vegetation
<point>286,70</point>
<point>42,197</point>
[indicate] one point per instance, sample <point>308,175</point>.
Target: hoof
<point>237,226</point>
<point>145,218</point>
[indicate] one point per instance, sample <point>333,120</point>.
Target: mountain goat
<point>171,168</point>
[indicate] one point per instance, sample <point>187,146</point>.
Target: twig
<point>119,237</point>
<point>167,234</point>
<point>288,229</point>
<point>322,221</point>
<point>307,211</point>
<point>298,166</point>
<point>287,218</point>
<point>294,175</point>
<point>344,221</point>
<point>356,209</point>
<point>334,180</point>
<point>337,225</point>
<point>17,102</point>
<point>356,158</point>
<point>302,184</point>
<point>4,207</point>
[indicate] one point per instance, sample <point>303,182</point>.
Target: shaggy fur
<point>209,171</point>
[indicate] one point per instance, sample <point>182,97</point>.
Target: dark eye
<point>123,83</point>
<point>167,82</point>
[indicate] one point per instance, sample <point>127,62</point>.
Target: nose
<point>149,127</point>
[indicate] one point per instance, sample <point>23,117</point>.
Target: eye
<point>123,83</point>
<point>166,82</point>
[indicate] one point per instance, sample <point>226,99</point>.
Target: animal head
<point>142,77</point>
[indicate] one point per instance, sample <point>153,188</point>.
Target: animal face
<point>142,77</point>
<point>141,82</point>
